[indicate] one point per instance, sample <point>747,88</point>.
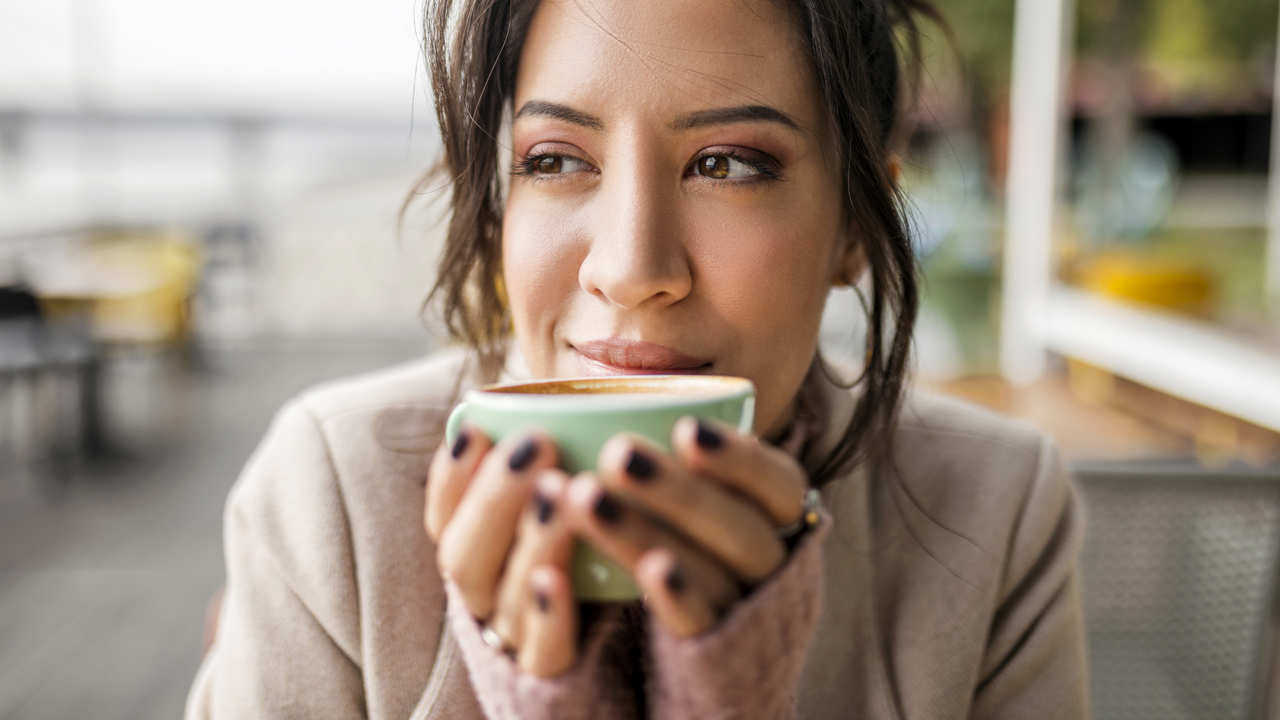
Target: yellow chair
<point>156,310</point>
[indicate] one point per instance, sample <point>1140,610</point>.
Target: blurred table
<point>131,287</point>
<point>32,347</point>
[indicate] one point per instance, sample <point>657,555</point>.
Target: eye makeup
<point>721,161</point>
<point>714,165</point>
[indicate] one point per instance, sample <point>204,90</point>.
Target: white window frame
<point>1184,358</point>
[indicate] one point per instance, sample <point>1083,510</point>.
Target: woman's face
<point>675,206</point>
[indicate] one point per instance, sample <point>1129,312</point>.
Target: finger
<point>551,622</point>
<point>542,539</point>
<point>626,534</point>
<point>475,543</point>
<point>668,596</point>
<point>731,528</point>
<point>766,475</point>
<point>449,476</point>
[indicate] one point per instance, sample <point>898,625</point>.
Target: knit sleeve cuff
<point>749,664</point>
<point>506,692</point>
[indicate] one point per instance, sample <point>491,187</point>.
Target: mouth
<point>616,356</point>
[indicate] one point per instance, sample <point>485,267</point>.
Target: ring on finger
<point>809,519</point>
<point>496,641</point>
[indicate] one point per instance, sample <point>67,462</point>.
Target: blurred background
<point>199,218</point>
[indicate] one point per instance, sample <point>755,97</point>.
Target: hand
<point>695,527</point>
<point>501,540</point>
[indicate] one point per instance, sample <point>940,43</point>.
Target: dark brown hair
<point>472,48</point>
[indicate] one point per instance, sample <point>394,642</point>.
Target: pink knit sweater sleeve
<point>749,665</point>
<point>585,692</point>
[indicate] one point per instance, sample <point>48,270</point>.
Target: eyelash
<point>767,167</point>
<point>527,167</point>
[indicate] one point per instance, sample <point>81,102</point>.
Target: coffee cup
<point>581,414</point>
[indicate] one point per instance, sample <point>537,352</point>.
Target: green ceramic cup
<point>582,413</point>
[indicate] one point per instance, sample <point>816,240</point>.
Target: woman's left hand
<point>695,527</point>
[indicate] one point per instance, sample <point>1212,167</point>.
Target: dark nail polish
<point>607,509</point>
<point>460,444</point>
<point>543,507</point>
<point>675,581</point>
<point>707,438</point>
<point>523,455</point>
<point>640,466</point>
<point>544,602</point>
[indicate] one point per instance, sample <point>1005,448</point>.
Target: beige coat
<point>951,586</point>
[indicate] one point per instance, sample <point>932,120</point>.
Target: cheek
<point>539,269</point>
<point>766,280</point>
<point>769,271</point>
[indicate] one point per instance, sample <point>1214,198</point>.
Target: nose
<point>637,256</point>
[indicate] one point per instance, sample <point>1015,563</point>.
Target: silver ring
<point>809,517</point>
<point>494,640</point>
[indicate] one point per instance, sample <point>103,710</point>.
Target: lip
<point>618,356</point>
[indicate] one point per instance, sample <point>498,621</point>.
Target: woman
<point>669,186</point>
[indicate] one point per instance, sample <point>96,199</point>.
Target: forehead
<point>664,57</point>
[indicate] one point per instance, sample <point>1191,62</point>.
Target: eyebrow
<point>701,118</point>
<point>740,114</point>
<point>557,111</point>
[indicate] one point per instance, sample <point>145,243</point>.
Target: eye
<point>725,167</point>
<point>732,165</point>
<point>549,164</point>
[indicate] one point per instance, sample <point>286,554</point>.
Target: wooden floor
<point>105,572</point>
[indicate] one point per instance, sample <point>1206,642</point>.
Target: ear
<point>850,263</point>
<point>851,259</point>
<point>895,167</point>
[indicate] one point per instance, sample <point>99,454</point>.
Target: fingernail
<point>544,602</point>
<point>460,444</point>
<point>707,438</point>
<point>675,581</point>
<point>523,455</point>
<point>607,509</point>
<point>543,507</point>
<point>640,466</point>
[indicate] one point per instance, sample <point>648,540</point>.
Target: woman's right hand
<point>501,540</point>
